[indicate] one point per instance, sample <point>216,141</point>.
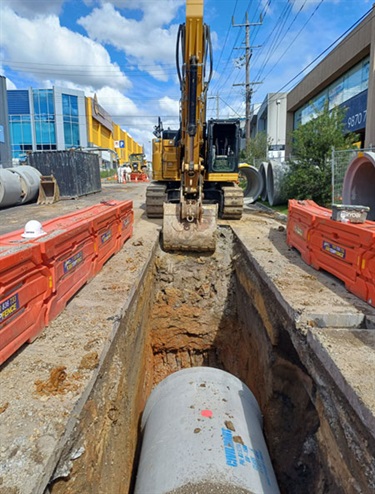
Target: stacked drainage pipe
<point>275,175</point>
<point>254,182</point>
<point>263,170</point>
<point>359,182</point>
<point>202,432</point>
<point>18,185</point>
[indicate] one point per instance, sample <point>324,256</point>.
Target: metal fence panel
<point>77,173</point>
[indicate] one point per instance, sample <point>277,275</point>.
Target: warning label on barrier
<point>9,307</point>
<point>333,249</point>
<point>73,262</point>
<point>106,236</point>
<point>298,230</point>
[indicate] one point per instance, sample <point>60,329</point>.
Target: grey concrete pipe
<point>359,183</point>
<point>275,174</point>
<point>10,188</point>
<point>30,180</point>
<point>254,183</point>
<point>202,432</point>
<point>263,173</point>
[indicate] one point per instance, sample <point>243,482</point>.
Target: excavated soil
<point>192,312</point>
<point>71,402</point>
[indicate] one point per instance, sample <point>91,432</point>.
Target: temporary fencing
<point>344,249</point>
<point>39,276</point>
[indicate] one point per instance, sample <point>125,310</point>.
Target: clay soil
<point>70,402</point>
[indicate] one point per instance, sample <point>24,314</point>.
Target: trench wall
<point>221,311</point>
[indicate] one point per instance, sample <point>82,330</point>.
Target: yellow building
<point>104,134</point>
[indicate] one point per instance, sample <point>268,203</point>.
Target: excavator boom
<point>195,167</point>
<point>188,225</point>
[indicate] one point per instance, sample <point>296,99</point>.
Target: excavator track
<point>233,203</point>
<point>155,198</point>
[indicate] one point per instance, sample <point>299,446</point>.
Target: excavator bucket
<point>195,236</point>
<point>48,190</point>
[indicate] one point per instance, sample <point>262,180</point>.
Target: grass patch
<point>281,208</point>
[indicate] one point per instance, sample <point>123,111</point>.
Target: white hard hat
<point>33,229</point>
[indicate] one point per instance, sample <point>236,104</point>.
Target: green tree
<point>257,149</point>
<point>309,175</point>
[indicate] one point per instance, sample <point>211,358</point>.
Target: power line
<point>328,48</point>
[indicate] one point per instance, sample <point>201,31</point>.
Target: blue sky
<point>124,50</point>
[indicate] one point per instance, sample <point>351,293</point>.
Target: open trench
<point>203,310</point>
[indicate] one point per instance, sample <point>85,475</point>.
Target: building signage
<point>355,117</point>
<point>119,144</point>
<point>2,138</point>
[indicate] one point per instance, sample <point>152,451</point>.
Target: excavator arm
<point>190,225</point>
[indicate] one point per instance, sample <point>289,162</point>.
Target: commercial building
<point>46,120</point>
<point>270,117</point>
<point>106,136</point>
<point>346,77</point>
<point>60,118</point>
<point>5,153</point>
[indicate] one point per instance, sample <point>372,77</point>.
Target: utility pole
<point>248,53</point>
<point>217,104</point>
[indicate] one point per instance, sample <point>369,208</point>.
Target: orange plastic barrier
<point>105,226</point>
<point>125,222</point>
<point>139,177</point>
<point>346,250</point>
<point>24,288</point>
<point>69,253</point>
<point>368,274</point>
<point>338,257</point>
<point>39,276</point>
<point>301,219</point>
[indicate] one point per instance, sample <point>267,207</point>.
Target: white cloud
<point>169,106</point>
<point>33,8</point>
<point>56,53</point>
<point>146,43</point>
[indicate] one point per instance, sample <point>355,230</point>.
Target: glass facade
<point>70,120</point>
<point>44,117</point>
<point>346,87</point>
<point>20,135</point>
<point>45,120</point>
<point>19,123</point>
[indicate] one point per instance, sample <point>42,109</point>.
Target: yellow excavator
<point>195,168</point>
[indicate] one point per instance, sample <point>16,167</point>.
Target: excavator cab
<point>223,146</point>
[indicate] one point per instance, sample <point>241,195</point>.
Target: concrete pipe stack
<point>202,432</point>
<point>263,169</point>
<point>359,182</point>
<point>18,185</point>
<point>275,175</point>
<point>254,182</point>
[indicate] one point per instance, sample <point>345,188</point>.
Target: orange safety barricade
<point>72,249</point>
<point>301,219</point>
<point>344,249</point>
<point>105,226</point>
<point>338,257</point>
<point>368,274</point>
<point>339,248</point>
<point>125,222</point>
<point>24,289</point>
<point>69,253</point>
